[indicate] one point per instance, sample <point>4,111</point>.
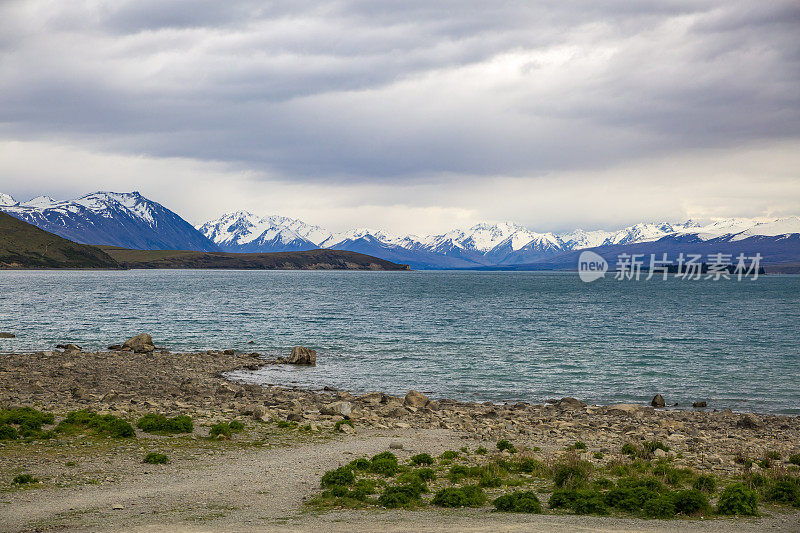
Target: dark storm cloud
<point>344,91</point>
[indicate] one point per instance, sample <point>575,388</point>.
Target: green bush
<point>737,499</point>
<point>562,499</point>
<point>571,475</point>
<point>603,483</point>
<point>412,477</point>
<point>629,449</point>
<point>426,474</point>
<point>399,496</point>
<point>341,476</point>
<point>795,459</point>
<point>99,424</point>
<point>519,502</point>
<point>467,496</point>
<point>422,459</point>
<point>579,445</point>
<point>690,502</point>
<point>8,432</point>
<point>237,425</point>
<point>338,425</point>
<point>449,455</point>
<point>154,458</point>
<point>489,481</point>
<point>384,466</point>
<point>629,499</point>
<point>221,430</point>
<point>649,447</point>
<point>589,502</point>
<point>772,455</point>
<point>784,491</point>
<point>598,455</point>
<point>661,507</point>
<point>649,483</point>
<point>503,445</point>
<point>160,424</point>
<point>384,455</point>
<point>360,464</point>
<point>23,479</point>
<point>706,483</point>
<point>483,451</point>
<point>530,466</point>
<point>457,473</point>
<point>25,418</point>
<point>367,486</point>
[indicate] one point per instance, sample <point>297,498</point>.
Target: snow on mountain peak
<point>41,202</point>
<point>7,199</point>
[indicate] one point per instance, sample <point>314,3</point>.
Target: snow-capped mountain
<point>128,220</point>
<point>7,199</point>
<point>243,231</point>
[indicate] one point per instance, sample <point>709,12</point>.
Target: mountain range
<point>132,221</point>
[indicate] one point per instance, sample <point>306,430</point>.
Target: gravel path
<point>263,490</point>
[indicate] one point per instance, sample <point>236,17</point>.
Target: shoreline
<point>263,478</point>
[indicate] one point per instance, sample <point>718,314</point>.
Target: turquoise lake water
<point>466,335</point>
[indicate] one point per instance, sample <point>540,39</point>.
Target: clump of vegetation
<point>691,502</point>
<point>504,445</point>
<point>413,477</point>
<point>384,464</point>
<point>579,445</point>
<point>579,501</point>
<point>159,424</point>
<point>571,475</point>
<point>630,499</point>
<point>706,483</point>
<point>401,495</point>
<point>449,455</point>
<point>342,476</point>
<point>772,455</point>
<point>649,447</point>
<point>519,502</point>
<point>359,464</point>
<point>795,459</point>
<point>661,507</point>
<point>225,430</point>
<point>422,459</point>
<point>483,451</point>
<point>28,422</point>
<point>466,496</point>
<point>737,499</point>
<point>598,455</point>
<point>629,449</point>
<point>784,491</point>
<point>24,479</point>
<point>338,425</point>
<point>154,458</point>
<point>285,424</point>
<point>109,425</point>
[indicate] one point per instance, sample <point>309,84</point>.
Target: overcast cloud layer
<point>408,115</point>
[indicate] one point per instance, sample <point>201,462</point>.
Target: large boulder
<point>571,403</point>
<point>302,356</point>
<point>6,335</point>
<point>415,398</point>
<point>142,343</point>
<point>658,401</point>
<point>337,408</point>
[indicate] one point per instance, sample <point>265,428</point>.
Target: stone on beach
<point>302,356</point>
<point>750,421</point>
<point>571,403</point>
<point>658,401</point>
<point>337,408</point>
<point>142,343</point>
<point>415,399</point>
<point>697,405</point>
<point>6,335</point>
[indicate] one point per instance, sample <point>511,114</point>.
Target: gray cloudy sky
<point>409,115</point>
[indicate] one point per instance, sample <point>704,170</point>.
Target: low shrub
<point>426,474</point>
<point>589,502</point>
<point>504,445</point>
<point>571,475</point>
<point>338,425</point>
<point>422,459</point>
<point>772,455</point>
<point>629,499</point>
<point>238,426</point>
<point>649,447</point>
<point>483,451</point>
<point>661,507</point>
<point>649,483</point>
<point>737,499</point>
<point>154,458</point>
<point>412,477</point>
<point>457,473</point>
<point>706,483</point>
<point>342,476</point>
<point>384,466</point>
<point>489,481</point>
<point>160,424</point>
<point>449,455</point>
<point>784,491</point>
<point>467,496</point>
<point>531,466</point>
<point>579,445</point>
<point>399,496</point>
<point>629,449</point>
<point>519,502</point>
<point>691,502</point>
<point>795,459</point>
<point>8,432</point>
<point>24,479</point>
<point>603,483</point>
<point>598,455</point>
<point>359,464</point>
<point>221,430</point>
<point>25,418</point>
<point>100,424</point>
<point>561,499</point>
<point>384,455</point>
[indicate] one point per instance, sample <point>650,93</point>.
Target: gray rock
<point>658,401</point>
<point>415,399</point>
<point>337,408</point>
<point>571,403</point>
<point>302,356</point>
<point>750,421</point>
<point>396,445</point>
<point>79,393</point>
<point>142,343</point>
<point>697,405</point>
<point>6,335</point>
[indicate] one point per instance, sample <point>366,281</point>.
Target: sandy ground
<point>263,490</point>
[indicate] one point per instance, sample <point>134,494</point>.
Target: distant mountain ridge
<point>130,220</point>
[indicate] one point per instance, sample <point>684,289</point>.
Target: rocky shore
<point>135,381</point>
<point>136,378</point>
